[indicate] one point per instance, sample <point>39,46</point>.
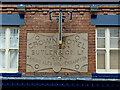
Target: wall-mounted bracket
<point>60,28</point>
<point>70,15</point>
<point>63,19</point>
<point>60,20</point>
<point>50,16</point>
<point>21,8</point>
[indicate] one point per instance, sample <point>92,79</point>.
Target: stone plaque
<point>44,55</point>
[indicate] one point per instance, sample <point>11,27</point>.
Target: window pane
<point>100,33</point>
<point>2,59</point>
<point>114,33</point>
<point>2,38</point>
<point>101,43</point>
<point>115,43</point>
<point>14,38</point>
<point>101,59</point>
<point>13,58</point>
<point>114,59</point>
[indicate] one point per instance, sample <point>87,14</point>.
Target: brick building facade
<point>36,20</point>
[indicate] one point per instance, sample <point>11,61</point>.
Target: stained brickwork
<point>37,21</point>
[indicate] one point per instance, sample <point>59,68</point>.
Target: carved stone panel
<point>44,55</point>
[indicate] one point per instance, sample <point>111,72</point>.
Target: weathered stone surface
<point>44,55</point>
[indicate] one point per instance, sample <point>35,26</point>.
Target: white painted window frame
<point>7,68</point>
<point>107,49</point>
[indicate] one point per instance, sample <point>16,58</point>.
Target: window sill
<point>105,75</point>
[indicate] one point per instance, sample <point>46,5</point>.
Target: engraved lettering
<point>43,51</point>
<point>67,52</point>
<point>68,41</point>
<point>55,52</point>
<point>40,42</point>
<point>79,52</point>
<point>79,44</point>
<point>35,44</point>
<point>77,37</point>
<point>37,52</point>
<point>30,45</point>
<point>33,52</point>
<point>37,37</point>
<point>47,63</point>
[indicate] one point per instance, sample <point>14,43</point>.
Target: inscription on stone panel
<point>44,55</point>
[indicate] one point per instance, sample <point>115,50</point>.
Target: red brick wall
<point>37,21</point>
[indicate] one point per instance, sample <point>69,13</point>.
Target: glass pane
<point>2,38</point>
<point>101,59</point>
<point>13,58</point>
<point>114,59</point>
<point>2,59</point>
<point>115,43</point>
<point>14,38</point>
<point>100,33</point>
<point>114,33</point>
<point>101,43</point>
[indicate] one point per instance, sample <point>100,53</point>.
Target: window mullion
<point>7,48</point>
<point>107,45</point>
<point>96,49</point>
